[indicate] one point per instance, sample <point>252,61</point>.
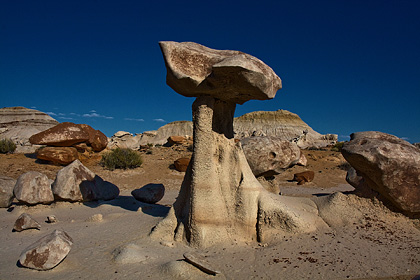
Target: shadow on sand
<point>131,204</point>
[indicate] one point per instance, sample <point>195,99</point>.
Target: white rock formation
<point>20,123</point>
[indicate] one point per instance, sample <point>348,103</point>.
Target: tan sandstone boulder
<point>76,182</point>
<point>389,165</point>
<point>47,252</point>
<point>32,188</point>
<point>268,156</point>
<point>58,155</point>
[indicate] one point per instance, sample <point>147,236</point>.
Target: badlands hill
<point>281,124</point>
<point>20,123</point>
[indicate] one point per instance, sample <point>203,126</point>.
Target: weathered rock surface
<point>47,252</point>
<point>304,177</point>
<point>76,182</point>
<point>32,188</point>
<point>181,164</point>
<point>150,193</point>
<point>389,165</point>
<point>97,140</point>
<point>123,139</point>
<point>67,183</point>
<point>268,156</point>
<point>160,136</point>
<point>7,185</point>
<point>25,221</point>
<point>194,70</point>
<point>220,199</point>
<point>62,135</point>
<point>58,155</point>
<point>20,123</point>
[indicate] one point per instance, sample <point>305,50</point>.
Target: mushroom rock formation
<point>220,199</point>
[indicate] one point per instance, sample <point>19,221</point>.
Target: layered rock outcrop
<point>20,123</point>
<point>283,125</point>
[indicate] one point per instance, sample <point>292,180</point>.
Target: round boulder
<point>150,193</point>
<point>268,156</point>
<point>181,164</point>
<point>32,188</point>
<point>389,165</point>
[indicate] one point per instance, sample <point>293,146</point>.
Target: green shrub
<point>121,158</point>
<point>337,147</point>
<point>7,146</point>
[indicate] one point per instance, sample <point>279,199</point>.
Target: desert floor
<point>382,245</point>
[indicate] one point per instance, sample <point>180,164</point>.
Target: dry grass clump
<point>121,158</point>
<point>7,146</point>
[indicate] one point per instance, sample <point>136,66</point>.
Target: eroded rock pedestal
<point>220,199</point>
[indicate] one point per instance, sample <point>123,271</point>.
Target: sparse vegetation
<point>7,146</point>
<point>121,158</point>
<point>337,147</point>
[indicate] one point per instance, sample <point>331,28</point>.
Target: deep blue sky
<point>346,66</point>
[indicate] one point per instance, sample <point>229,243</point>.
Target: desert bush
<point>337,147</point>
<point>7,146</point>
<point>122,158</point>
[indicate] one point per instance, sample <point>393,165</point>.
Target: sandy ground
<point>380,245</point>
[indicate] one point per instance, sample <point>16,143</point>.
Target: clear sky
<point>346,66</point>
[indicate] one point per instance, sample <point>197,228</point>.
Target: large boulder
<point>76,182</point>
<point>98,189</point>
<point>67,183</point>
<point>194,70</point>
<point>150,193</point>
<point>32,188</point>
<point>389,165</point>
<point>20,123</point>
<point>47,252</point>
<point>269,156</point>
<point>58,155</point>
<point>62,135</point>
<point>97,140</point>
<point>6,190</point>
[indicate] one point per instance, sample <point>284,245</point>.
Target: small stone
<point>167,244</point>
<point>95,218</point>
<point>51,219</point>
<point>25,221</point>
